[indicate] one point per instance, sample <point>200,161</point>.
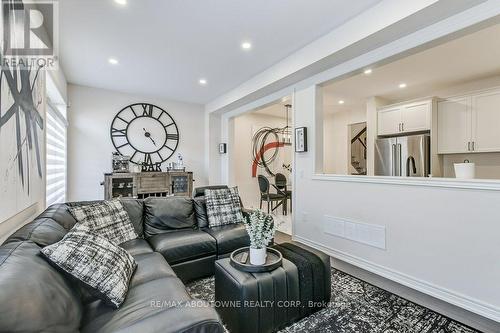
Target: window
<point>56,155</point>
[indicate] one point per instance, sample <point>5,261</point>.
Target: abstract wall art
<point>22,126</point>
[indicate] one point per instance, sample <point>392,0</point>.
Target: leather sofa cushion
<point>166,214</point>
<point>42,231</point>
<point>150,266</point>
<point>229,237</point>
<point>200,209</point>
<point>183,245</point>
<point>135,210</point>
<point>160,305</point>
<point>34,296</point>
<point>136,246</point>
<point>60,214</point>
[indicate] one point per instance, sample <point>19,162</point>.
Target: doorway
<point>261,141</point>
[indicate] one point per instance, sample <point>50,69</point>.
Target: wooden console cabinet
<point>148,184</point>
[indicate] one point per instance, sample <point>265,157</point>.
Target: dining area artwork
<point>271,155</point>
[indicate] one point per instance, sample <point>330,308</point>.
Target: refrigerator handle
<point>393,153</point>
<point>399,163</point>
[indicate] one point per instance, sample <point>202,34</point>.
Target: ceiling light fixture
<point>246,45</point>
<point>121,2</point>
<point>341,102</point>
<point>203,82</point>
<point>402,85</point>
<point>368,71</point>
<point>113,61</point>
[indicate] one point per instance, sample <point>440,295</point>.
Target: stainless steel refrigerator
<point>405,156</point>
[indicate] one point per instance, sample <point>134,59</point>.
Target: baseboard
<point>475,306</point>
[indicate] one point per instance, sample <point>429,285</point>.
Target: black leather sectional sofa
<point>176,246</point>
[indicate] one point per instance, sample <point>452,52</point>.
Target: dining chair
<point>281,183</point>
<point>270,198</point>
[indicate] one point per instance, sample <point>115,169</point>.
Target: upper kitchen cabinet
<point>454,131</point>
<point>485,112</point>
<point>405,118</point>
<point>389,121</point>
<point>469,123</point>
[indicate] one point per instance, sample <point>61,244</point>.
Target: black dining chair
<point>281,184</point>
<point>270,198</point>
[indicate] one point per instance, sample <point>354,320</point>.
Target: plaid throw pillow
<point>107,219</point>
<point>98,264</point>
<point>223,207</point>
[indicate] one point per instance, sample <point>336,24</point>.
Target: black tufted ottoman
<point>267,302</point>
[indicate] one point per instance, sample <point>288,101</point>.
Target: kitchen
<point>434,113</point>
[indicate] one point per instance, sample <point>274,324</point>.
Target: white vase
<point>258,256</point>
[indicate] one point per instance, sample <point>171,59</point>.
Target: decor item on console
<point>177,166</point>
<point>261,229</point>
<point>120,163</point>
<point>22,118</point>
<point>146,133</point>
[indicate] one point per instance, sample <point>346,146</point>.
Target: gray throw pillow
<point>107,219</point>
<point>223,207</point>
<point>104,268</point>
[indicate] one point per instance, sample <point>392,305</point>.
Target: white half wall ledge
<point>359,36</point>
<point>470,184</point>
<point>473,305</point>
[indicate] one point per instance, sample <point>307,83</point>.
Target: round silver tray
<point>273,261</point>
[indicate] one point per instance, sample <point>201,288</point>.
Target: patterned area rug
<point>360,307</point>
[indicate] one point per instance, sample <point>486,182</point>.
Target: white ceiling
<point>276,109</point>
<point>165,46</point>
<point>466,59</point>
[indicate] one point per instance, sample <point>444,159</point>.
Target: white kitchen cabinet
<point>469,123</point>
<point>416,117</point>
<point>405,118</point>
<point>454,131</point>
<point>389,121</point>
<point>485,112</point>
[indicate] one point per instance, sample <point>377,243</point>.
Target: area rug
<point>357,306</point>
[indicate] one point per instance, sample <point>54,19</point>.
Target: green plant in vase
<point>261,229</point>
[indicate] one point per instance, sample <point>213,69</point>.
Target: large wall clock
<point>146,133</point>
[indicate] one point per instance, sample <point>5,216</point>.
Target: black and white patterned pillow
<point>223,206</point>
<point>104,218</point>
<point>98,264</point>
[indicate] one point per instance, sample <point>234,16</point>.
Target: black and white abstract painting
<point>22,126</point>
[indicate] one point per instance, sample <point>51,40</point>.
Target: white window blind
<point>56,156</point>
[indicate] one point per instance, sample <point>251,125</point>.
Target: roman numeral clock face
<point>146,133</point>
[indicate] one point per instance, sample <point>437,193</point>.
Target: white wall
<point>89,145</point>
<point>244,127</point>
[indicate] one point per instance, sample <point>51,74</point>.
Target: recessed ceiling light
<point>121,2</point>
<point>113,61</point>
<point>368,71</point>
<point>341,102</point>
<point>246,45</point>
<point>203,82</point>
<point>402,85</point>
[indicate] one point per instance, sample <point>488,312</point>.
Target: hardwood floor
<point>281,237</point>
